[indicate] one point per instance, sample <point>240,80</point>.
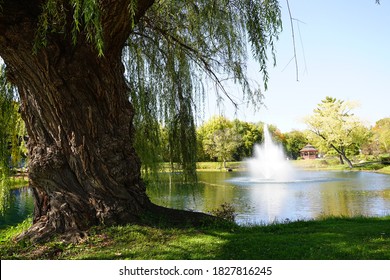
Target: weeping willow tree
<point>175,49</point>
<point>12,135</point>
<point>97,79</point>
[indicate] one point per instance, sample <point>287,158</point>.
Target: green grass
<point>319,164</point>
<point>330,163</point>
<point>17,182</point>
<point>333,164</point>
<point>218,166</point>
<point>328,238</point>
<point>385,170</point>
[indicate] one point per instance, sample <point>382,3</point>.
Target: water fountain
<point>269,162</point>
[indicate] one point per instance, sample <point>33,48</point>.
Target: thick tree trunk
<point>83,167</point>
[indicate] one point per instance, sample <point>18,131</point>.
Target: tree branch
<point>197,57</point>
<point>118,21</point>
<point>293,39</point>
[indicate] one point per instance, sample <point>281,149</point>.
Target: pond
<point>21,205</point>
<point>315,194</point>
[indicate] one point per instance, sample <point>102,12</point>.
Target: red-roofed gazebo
<point>309,152</point>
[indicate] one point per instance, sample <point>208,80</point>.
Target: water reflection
<point>21,206</point>
<point>315,194</point>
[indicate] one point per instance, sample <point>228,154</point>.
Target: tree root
<point>43,230</point>
<point>161,215</point>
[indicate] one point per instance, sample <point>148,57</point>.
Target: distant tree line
<point>332,128</point>
<point>336,130</point>
<point>220,139</point>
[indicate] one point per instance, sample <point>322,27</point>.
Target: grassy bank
<point>317,164</point>
<point>18,182</point>
<point>330,238</point>
<point>218,166</point>
<point>385,170</point>
<point>333,164</point>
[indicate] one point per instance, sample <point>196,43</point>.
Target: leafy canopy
<point>219,139</point>
<point>381,134</point>
<point>336,127</point>
<point>12,133</point>
<point>174,53</point>
<point>181,47</point>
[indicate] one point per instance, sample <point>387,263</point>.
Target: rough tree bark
<point>83,167</point>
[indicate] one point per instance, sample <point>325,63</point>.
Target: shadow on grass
<point>327,239</point>
<point>332,238</point>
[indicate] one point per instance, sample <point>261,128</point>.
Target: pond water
<point>21,206</point>
<point>314,194</point>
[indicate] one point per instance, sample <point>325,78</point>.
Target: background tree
<point>295,141</point>
<point>378,143</point>
<point>381,135</point>
<point>336,127</point>
<point>76,62</point>
<point>250,135</point>
<point>12,134</point>
<point>220,139</point>
<point>277,135</point>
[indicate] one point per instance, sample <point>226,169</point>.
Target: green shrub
<point>385,158</point>
<point>226,211</point>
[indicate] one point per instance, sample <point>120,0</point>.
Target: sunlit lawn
<point>331,238</point>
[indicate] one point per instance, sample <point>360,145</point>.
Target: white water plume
<point>269,162</point>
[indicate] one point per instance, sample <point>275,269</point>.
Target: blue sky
<point>343,51</point>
